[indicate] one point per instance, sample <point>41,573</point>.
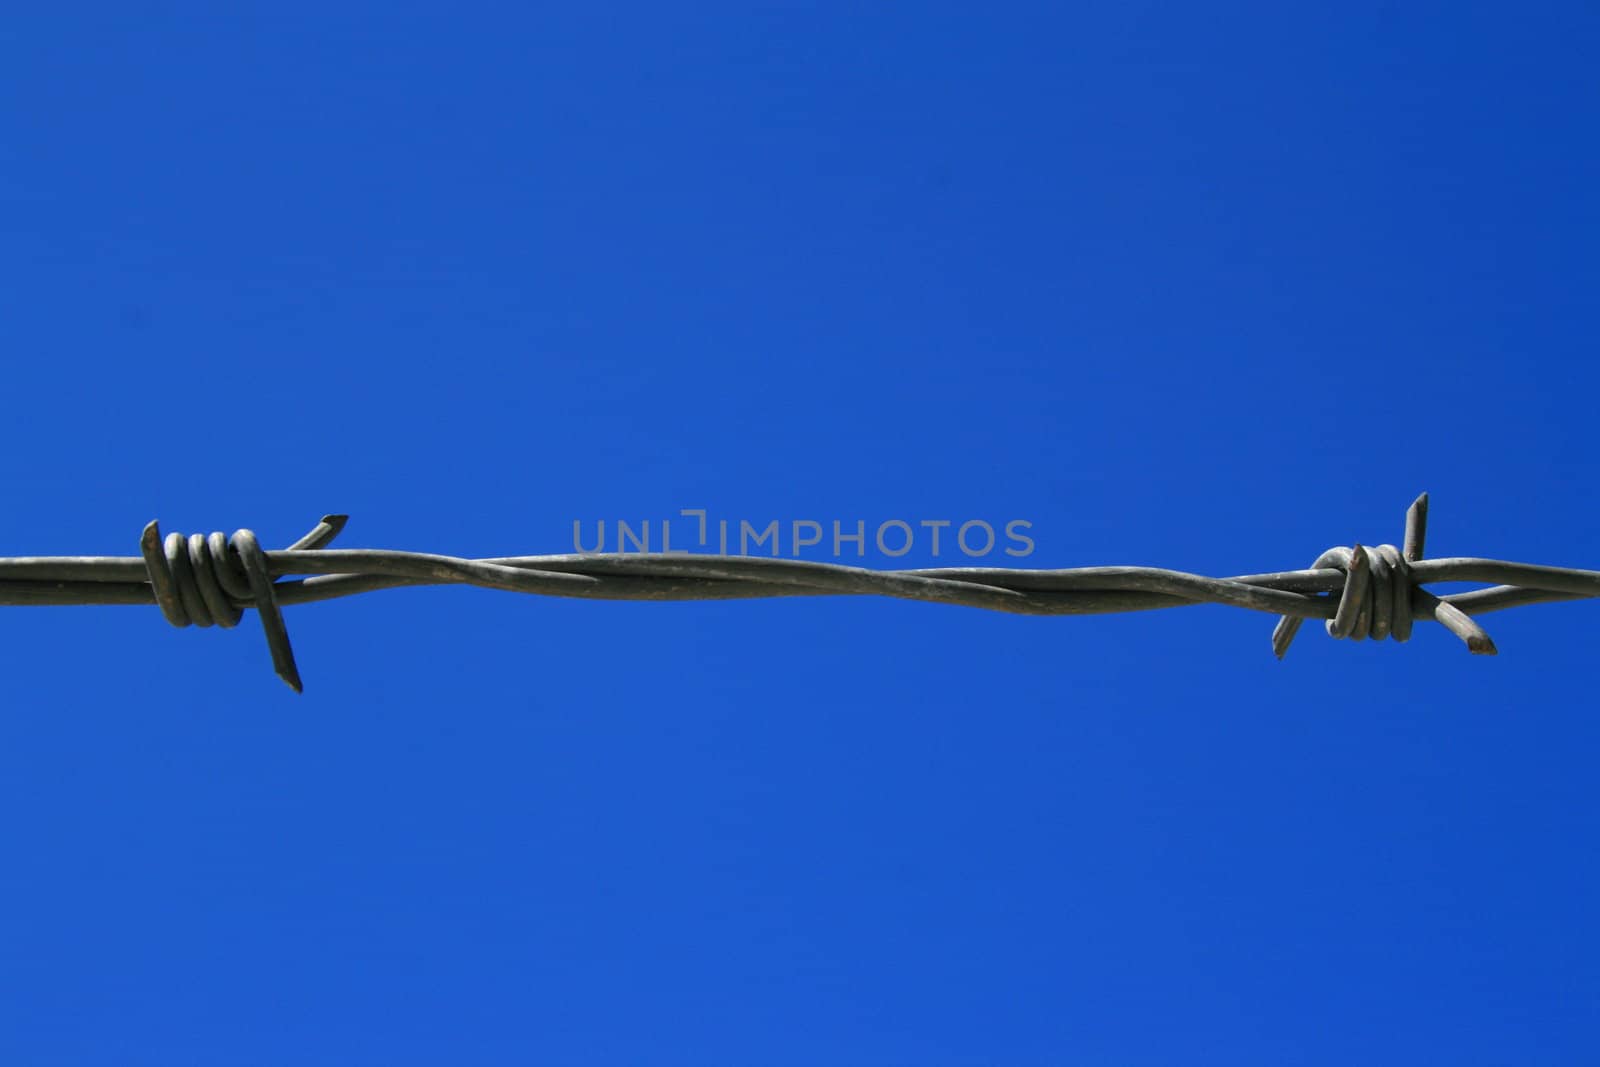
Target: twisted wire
<point>1360,592</point>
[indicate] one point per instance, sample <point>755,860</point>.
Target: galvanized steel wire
<point>1362,592</point>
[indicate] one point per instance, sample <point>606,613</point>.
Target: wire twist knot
<point>202,580</point>
<point>208,580</point>
<point>1376,599</point>
<point>1381,599</point>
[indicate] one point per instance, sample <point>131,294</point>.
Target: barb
<point>211,580</point>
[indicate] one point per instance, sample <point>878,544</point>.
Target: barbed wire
<point>1361,591</point>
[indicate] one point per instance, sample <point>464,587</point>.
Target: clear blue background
<point>1207,287</point>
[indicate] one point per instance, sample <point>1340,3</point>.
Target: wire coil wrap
<point>208,580</point>
<point>198,580</point>
<point>1375,598</point>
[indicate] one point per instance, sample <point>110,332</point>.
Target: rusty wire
<point>210,580</point>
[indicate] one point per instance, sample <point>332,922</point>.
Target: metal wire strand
<point>1359,591</point>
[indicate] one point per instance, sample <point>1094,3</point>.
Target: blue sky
<point>1204,287</point>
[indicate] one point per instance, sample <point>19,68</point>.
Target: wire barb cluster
<point>1380,597</point>
<point>205,581</point>
<point>211,580</point>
